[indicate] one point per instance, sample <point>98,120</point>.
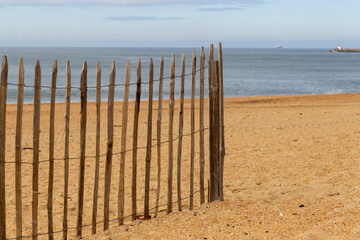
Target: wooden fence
<point>59,191</point>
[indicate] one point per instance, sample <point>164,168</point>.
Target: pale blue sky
<point>182,23</point>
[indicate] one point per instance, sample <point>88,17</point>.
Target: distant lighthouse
<point>339,47</point>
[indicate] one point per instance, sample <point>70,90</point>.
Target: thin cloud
<point>222,9</point>
<point>142,18</point>
<point>125,2</point>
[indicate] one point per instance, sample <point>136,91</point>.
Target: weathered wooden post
<point>3,94</point>
<point>67,149</point>
<point>214,126</point>
<point>148,148</point>
<point>159,134</point>
<point>83,105</point>
<point>18,148</point>
<point>121,196</point>
<point>97,160</point>
<point>181,125</point>
<point>171,123</point>
<point>135,139</point>
<point>193,80</point>
<point>201,118</point>
<point>110,144</point>
<point>222,132</point>
<point>36,147</point>
<point>51,152</point>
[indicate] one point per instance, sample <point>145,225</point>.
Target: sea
<point>247,72</point>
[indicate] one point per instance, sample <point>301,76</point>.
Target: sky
<point>180,23</point>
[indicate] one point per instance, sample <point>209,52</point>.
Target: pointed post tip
<point>21,63</point>
<point>4,60</point>
<point>55,66</point>
<point>112,68</point>
<point>4,64</point>
<point>68,68</point>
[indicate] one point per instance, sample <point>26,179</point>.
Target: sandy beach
<point>291,171</point>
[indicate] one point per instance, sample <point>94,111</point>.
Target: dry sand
<point>291,171</point>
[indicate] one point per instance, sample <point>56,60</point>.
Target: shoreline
<point>262,97</point>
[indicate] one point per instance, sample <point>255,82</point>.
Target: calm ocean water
<point>247,72</point>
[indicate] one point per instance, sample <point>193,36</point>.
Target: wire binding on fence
<point>97,223</point>
<point>107,85</point>
<point>104,154</point>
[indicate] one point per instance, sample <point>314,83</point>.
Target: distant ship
<point>278,46</point>
<point>340,49</point>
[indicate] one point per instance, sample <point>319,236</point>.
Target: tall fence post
<point>148,148</point>
<point>66,149</point>
<point>171,120</point>
<point>110,145</point>
<point>158,131</point>
<point>83,104</point>
<point>51,152</point>
<point>3,94</point>
<point>135,139</point>
<point>36,148</point>
<point>18,148</point>
<point>97,160</point>
<point>222,132</point>
<point>192,154</point>
<point>214,134</point>
<point>201,118</point>
<point>181,124</point>
<point>121,196</point>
